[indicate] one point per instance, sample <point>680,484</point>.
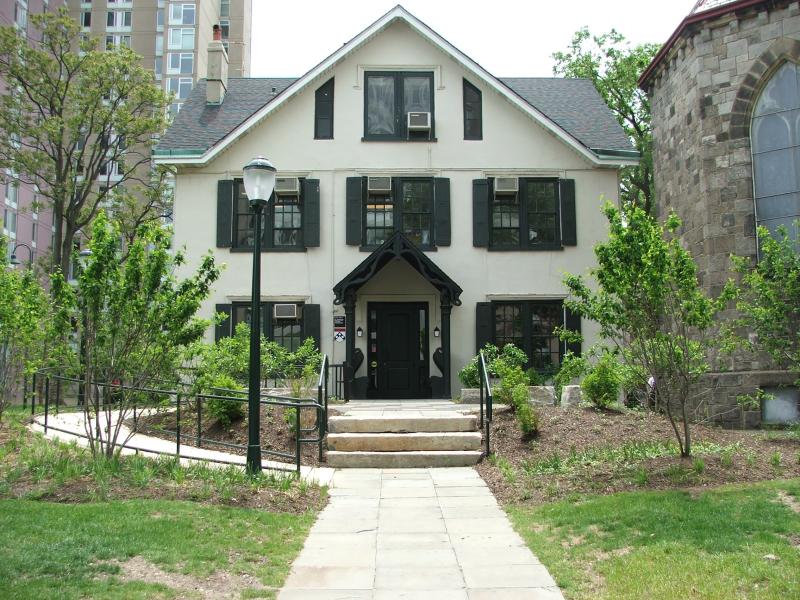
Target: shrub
<point>224,411</point>
<point>572,367</point>
<point>510,377</point>
<point>526,415</point>
<point>496,360</point>
<point>601,385</point>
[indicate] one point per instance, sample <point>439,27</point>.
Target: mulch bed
<point>567,432</point>
<point>276,435</point>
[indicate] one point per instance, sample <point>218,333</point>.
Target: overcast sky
<point>508,38</point>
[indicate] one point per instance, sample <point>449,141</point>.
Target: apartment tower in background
<point>26,224</point>
<point>171,36</point>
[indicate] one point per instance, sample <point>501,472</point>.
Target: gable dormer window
<point>398,106</point>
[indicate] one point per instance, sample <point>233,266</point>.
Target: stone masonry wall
<point>701,104</point>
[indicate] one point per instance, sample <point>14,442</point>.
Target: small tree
<point>650,306</point>
<point>79,124</point>
<point>135,320</point>
<point>23,306</point>
<point>768,300</point>
<point>614,68</point>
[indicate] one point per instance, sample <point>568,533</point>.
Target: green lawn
<point>60,550</point>
<point>654,545</point>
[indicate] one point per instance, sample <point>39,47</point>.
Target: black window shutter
<point>311,213</point>
<point>353,218</point>
<point>323,111</point>
<point>483,324</point>
<point>223,328</point>
<point>569,231</point>
<point>572,321</point>
<point>441,195</point>
<point>224,213</point>
<point>312,324</point>
<point>266,319</point>
<point>480,213</point>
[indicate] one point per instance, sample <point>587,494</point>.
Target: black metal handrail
<point>485,421</point>
<point>177,394</point>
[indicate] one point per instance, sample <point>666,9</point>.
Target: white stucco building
<point>424,204</point>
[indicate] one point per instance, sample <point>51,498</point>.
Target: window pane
<point>416,94</point>
<point>286,223</point>
<point>780,92</point>
<point>542,204</point>
<point>380,105</point>
<point>775,173</point>
<point>417,205</point>
<point>505,220</point>
<point>773,207</point>
<point>508,325</point>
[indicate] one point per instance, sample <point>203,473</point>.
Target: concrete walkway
<point>69,426</point>
<point>421,534</point>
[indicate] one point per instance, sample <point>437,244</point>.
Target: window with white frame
<point>10,222</point>
<point>181,38</point>
<point>109,169</point>
<point>160,19</point>
<point>158,67</point>
<point>224,8</point>
<point>86,19</point>
<point>115,41</point>
<point>21,14</point>
<point>225,28</point>
<point>181,63</point>
<point>159,45</point>
<point>119,20</point>
<point>180,86</point>
<point>12,189</point>
<point>181,14</point>
<point>34,233</point>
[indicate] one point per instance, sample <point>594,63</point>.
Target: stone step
<point>403,442</point>
<point>403,424</point>
<point>395,460</point>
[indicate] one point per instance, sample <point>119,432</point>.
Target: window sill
<point>373,248</point>
<point>550,248</point>
<point>263,250</point>
<point>412,141</point>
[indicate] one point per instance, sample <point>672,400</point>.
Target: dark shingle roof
<point>199,126</point>
<point>573,104</point>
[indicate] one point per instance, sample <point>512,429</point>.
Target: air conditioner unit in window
<point>287,185</point>
<point>285,311</point>
<point>379,184</point>
<point>419,121</point>
<point>505,185</point>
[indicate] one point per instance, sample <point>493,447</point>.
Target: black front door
<point>398,350</point>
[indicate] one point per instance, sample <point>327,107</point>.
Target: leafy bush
<point>572,367</point>
<point>601,385</point>
<point>224,411</point>
<point>509,356</point>
<point>525,414</point>
<point>510,377</point>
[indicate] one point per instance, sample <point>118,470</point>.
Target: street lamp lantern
<point>259,180</point>
<point>14,261</point>
<point>259,183</point>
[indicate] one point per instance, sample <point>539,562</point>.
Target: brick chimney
<point>217,78</point>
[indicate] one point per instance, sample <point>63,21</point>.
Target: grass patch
<point>734,541</point>
<point>52,550</point>
<point>32,467</point>
<point>627,453</point>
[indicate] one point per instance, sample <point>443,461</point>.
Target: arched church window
<point>775,143</point>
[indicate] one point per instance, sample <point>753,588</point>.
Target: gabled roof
<point>703,10</point>
<point>397,246</point>
<point>187,143</point>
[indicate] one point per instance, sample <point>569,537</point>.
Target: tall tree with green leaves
<point>79,123</point>
<point>649,305</point>
<point>614,67</point>
<point>136,320</point>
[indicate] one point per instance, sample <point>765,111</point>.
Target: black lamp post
<point>259,182</point>
<point>14,261</point>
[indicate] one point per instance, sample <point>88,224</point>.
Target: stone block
<point>542,394</point>
<point>571,396</point>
